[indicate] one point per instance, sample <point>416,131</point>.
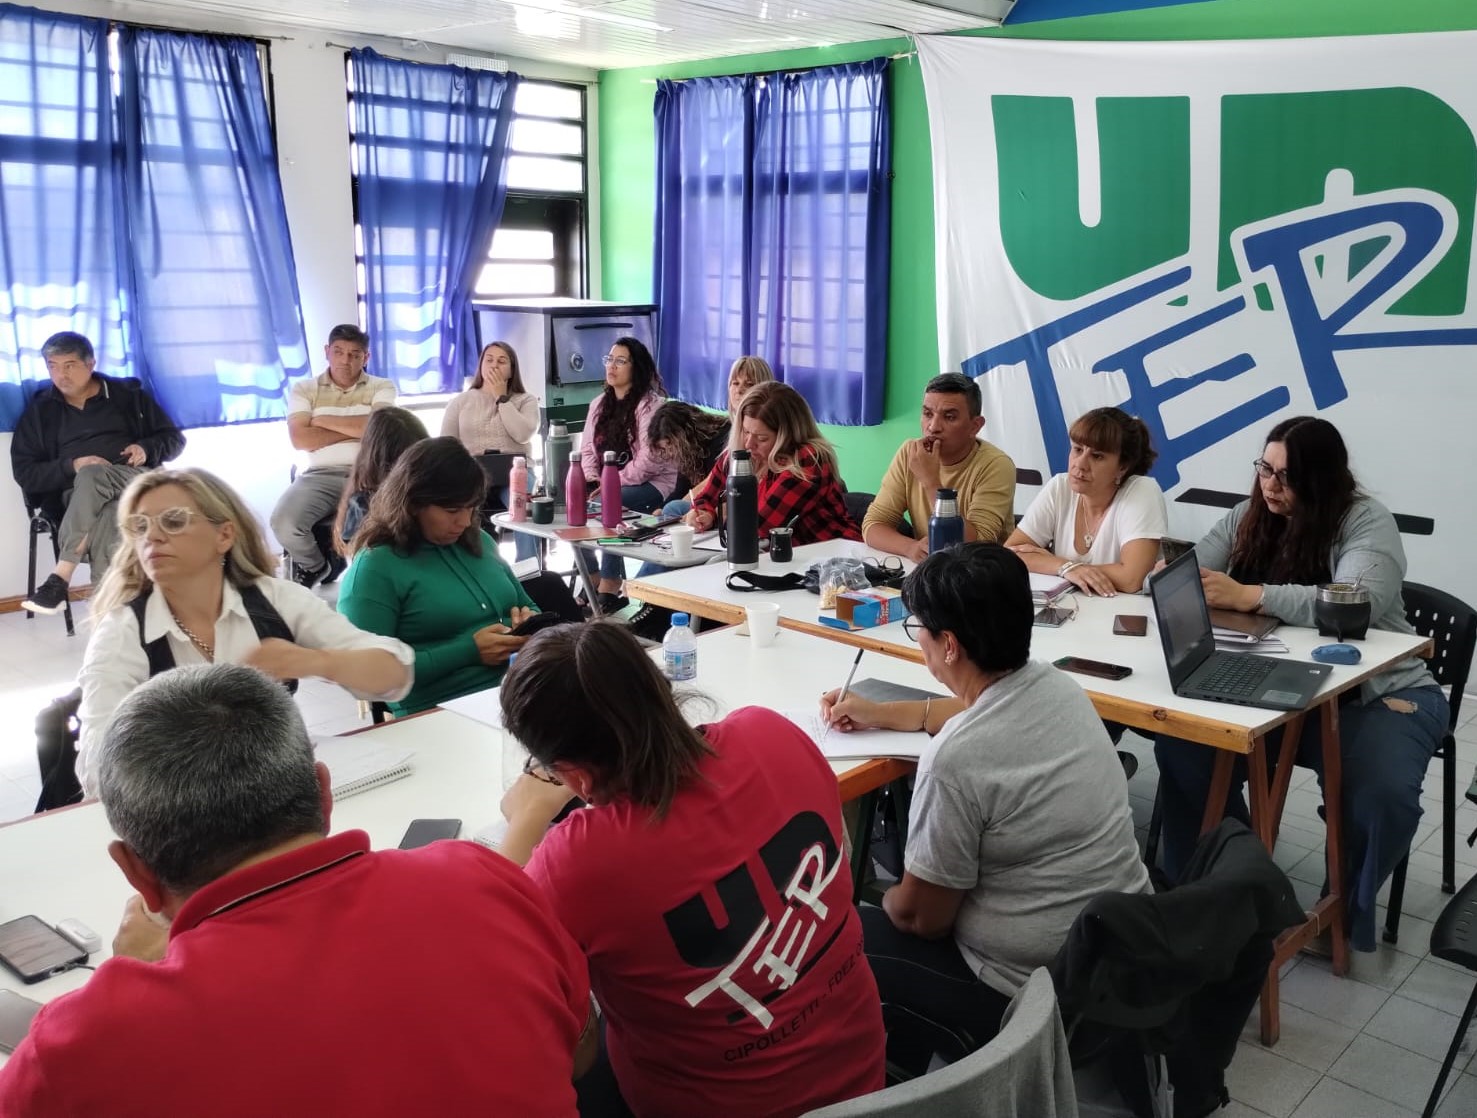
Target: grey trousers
<point>89,528</point>
<point>314,495</point>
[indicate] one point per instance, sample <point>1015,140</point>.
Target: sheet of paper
<point>357,763</point>
<point>859,743</point>
<point>707,541</point>
<point>1270,645</point>
<point>480,706</point>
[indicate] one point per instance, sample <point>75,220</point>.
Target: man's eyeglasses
<point>912,626</point>
<point>1264,470</point>
<point>616,362</point>
<point>538,772</point>
<point>171,522</point>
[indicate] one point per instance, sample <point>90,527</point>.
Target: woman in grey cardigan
<point>1305,523</point>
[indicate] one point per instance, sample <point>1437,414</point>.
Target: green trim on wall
<point>628,158</point>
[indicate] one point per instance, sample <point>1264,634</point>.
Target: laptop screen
<point>1184,620</point>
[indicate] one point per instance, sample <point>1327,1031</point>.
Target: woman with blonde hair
<point>743,375</point>
<point>191,538</point>
<point>795,466</point>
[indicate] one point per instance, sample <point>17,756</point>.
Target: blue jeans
<point>678,506</point>
<point>1385,752</point>
<point>524,545</point>
<point>643,498</point>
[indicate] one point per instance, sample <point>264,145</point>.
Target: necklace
<point>1088,535</point>
<point>206,650</point>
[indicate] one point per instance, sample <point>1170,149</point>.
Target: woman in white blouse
<point>192,586</point>
<point>1099,524</point>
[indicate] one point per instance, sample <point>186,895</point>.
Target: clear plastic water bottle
<point>679,650</point>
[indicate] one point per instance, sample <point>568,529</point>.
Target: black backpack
<point>57,726</point>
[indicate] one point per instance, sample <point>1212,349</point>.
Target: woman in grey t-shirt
<point>1020,810</point>
<point>1307,522</point>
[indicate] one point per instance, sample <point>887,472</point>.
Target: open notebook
<point>358,764</point>
<point>836,746</point>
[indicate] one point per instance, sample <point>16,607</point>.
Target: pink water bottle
<point>518,483</point>
<point>610,493</point>
<point>575,495</point>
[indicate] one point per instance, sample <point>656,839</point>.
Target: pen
<point>845,687</point>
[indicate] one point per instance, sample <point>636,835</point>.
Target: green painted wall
<point>627,162</point>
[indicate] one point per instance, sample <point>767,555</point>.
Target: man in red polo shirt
<point>299,974</point>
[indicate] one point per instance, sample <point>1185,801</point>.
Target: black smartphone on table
<point>1097,668</point>
<point>1052,617</point>
<point>1130,625</point>
<point>34,950</point>
<point>423,832</point>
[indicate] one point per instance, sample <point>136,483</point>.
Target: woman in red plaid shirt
<point>793,462</point>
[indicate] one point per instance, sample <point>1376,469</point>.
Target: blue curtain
<point>704,128</point>
<point>822,219</point>
<point>211,278</point>
<point>57,230</point>
<point>431,145</point>
<point>773,215</point>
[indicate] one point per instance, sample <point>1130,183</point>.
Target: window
<point>539,247</point>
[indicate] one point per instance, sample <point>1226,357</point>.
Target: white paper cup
<point>763,620</point>
<point>681,537</point>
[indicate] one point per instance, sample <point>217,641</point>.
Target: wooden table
<point>1143,701</point>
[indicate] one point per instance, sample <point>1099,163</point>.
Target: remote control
<point>80,934</point>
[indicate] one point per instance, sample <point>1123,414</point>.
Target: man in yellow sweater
<point>950,455</point>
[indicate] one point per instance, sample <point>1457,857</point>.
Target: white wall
<point>311,106</point>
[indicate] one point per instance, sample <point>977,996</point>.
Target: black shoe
<point>651,622</point>
<point>337,564</point>
<point>612,603</point>
<point>309,578</point>
<point>50,596</point>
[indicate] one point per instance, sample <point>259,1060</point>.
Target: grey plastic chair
<point>1025,1072</point>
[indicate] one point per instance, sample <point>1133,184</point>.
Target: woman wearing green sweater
<point>424,572</point>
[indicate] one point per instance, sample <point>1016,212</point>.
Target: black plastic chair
<point>857,505</point>
<point>46,522</point>
<point>1453,625</point>
<point>1454,940</point>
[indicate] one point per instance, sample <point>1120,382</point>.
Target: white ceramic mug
<point>763,620</point>
<point>681,537</point>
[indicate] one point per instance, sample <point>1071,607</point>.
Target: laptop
<point>1197,670</point>
<point>497,466</point>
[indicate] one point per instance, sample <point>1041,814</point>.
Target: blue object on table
<point>1337,654</point>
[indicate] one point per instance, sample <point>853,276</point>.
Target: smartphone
<point>16,1012</point>
<point>1095,668</point>
<point>1130,625</point>
<point>423,832</point>
<point>1052,616</point>
<point>536,623</point>
<point>35,950</point>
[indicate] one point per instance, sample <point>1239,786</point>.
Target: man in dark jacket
<point>77,446</point>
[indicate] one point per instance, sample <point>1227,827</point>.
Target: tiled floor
<point>1365,1046</point>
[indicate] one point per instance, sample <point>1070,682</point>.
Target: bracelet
<point>928,702</point>
<point>1061,572</point>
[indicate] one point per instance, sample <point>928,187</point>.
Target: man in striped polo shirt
<point>326,417</point>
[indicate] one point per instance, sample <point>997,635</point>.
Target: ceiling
<point>599,34</point>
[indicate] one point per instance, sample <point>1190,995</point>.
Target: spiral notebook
<point>357,765</point>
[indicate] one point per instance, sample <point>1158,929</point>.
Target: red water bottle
<point>610,493</point>
<point>574,495</point>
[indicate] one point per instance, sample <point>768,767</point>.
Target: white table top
<point>646,551</point>
<point>1143,700</point>
<point>56,865</point>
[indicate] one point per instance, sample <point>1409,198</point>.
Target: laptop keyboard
<point>1236,674</point>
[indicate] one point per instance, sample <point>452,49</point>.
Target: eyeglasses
<point>616,362</point>
<point>1264,470</point>
<point>912,626</point>
<point>539,772</point>
<point>171,522</point>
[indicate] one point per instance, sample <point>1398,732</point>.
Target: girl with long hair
<point>195,574</point>
<point>617,423</point>
<point>795,466</point>
<point>388,434</point>
<point>1307,522</point>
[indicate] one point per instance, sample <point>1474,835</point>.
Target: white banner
<point>1216,236</point>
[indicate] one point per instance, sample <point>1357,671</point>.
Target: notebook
<point>836,746</point>
<point>1243,628</point>
<point>1046,589</point>
<point>357,764</point>
<point>1197,670</point>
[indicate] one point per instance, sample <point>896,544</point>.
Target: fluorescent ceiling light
<point>987,11</point>
<point>561,8</point>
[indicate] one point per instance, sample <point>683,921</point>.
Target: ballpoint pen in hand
<point>845,687</point>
